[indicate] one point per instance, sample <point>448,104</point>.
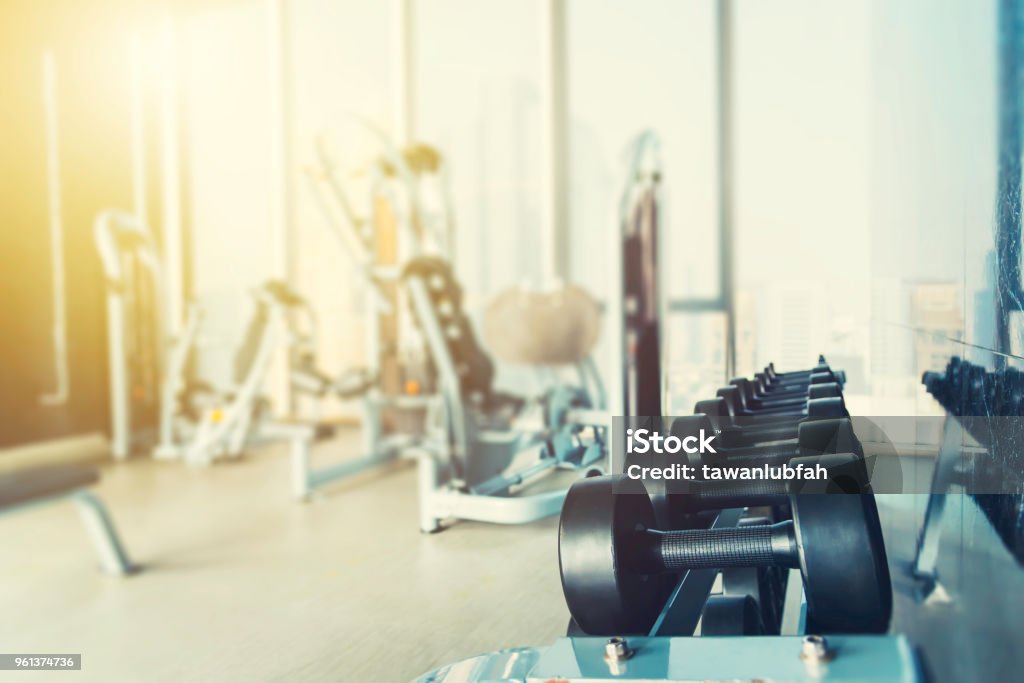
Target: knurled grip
<point>754,546</point>
<point>713,490</point>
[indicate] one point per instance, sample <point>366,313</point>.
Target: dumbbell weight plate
<point>844,594</point>
<point>599,518</point>
<point>731,615</point>
<point>812,408</point>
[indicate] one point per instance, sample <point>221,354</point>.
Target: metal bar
<point>794,606</point>
<point>428,479</point>
<point>326,475</point>
<point>725,179</point>
<point>59,330</point>
<point>554,142</point>
<point>404,77</point>
<point>925,567</point>
<point>495,509</point>
<point>113,558</point>
<point>109,228</point>
<point>502,484</point>
<point>305,479</point>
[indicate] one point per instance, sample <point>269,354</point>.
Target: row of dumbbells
<point>625,543</point>
<point>968,389</point>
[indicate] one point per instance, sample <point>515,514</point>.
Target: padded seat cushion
<point>558,327</point>
<point>24,486</point>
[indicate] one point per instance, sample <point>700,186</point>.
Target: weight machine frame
<point>355,235</point>
<point>485,496</point>
<point>225,431</point>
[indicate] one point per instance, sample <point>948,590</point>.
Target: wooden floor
<point>242,583</point>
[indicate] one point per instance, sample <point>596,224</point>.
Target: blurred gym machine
<point>638,285</point>
<point>473,440</point>
<point>636,306</point>
<point>489,445</point>
<point>150,379</point>
<point>406,213</point>
<point>462,482</point>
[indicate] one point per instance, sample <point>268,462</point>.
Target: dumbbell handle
<point>749,546</point>
<point>717,490</point>
<point>718,495</point>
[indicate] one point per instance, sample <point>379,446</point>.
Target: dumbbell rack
<point>670,653</point>
<point>677,648</point>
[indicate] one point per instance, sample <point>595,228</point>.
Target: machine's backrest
<point>471,364</point>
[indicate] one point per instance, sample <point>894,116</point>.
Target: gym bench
<point>22,489</point>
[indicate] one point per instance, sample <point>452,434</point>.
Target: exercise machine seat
<point>26,485</point>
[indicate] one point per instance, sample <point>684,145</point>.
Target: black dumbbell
<point>796,374</point>
<point>821,385</point>
<point>675,500</point>
<point>742,431</point>
<point>618,568</point>
<point>832,406</point>
<point>771,382</point>
<point>830,443</point>
<point>753,399</point>
<point>774,379</point>
<point>814,437</point>
<point>759,392</point>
